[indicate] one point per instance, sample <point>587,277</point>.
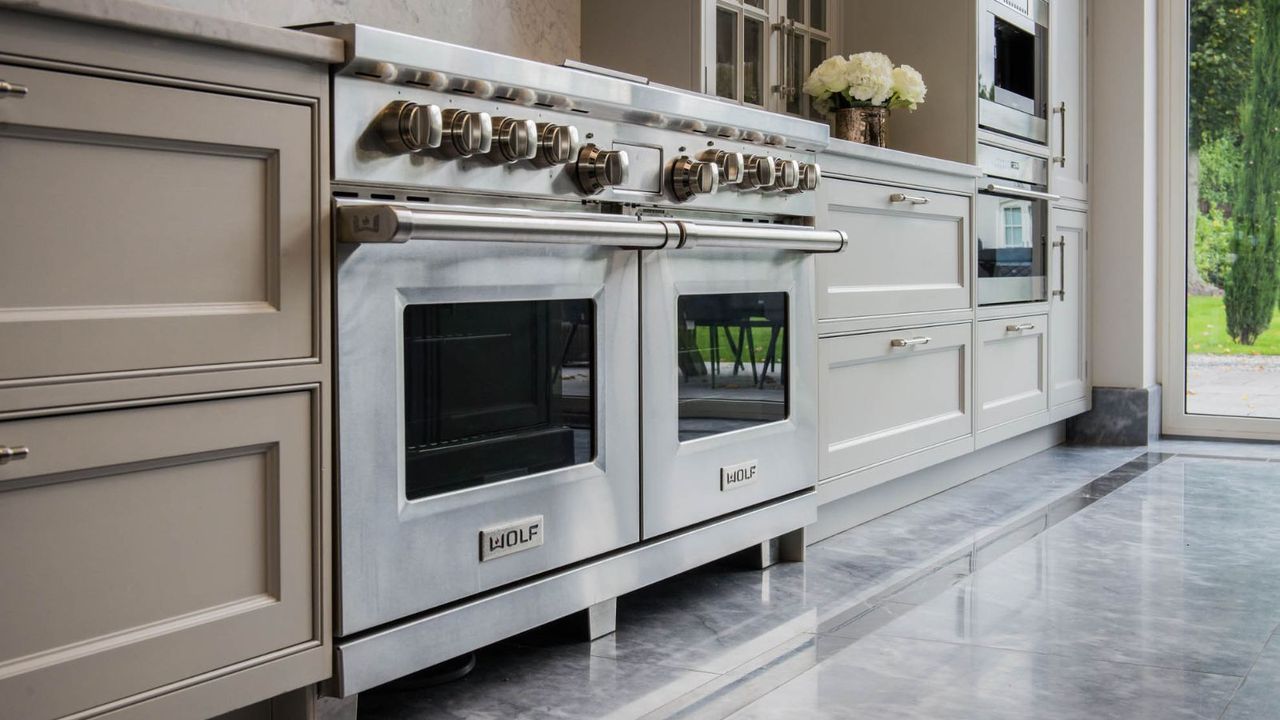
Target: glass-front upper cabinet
<point>755,52</point>
<point>764,49</point>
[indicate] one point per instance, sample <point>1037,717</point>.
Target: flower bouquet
<point>859,90</point>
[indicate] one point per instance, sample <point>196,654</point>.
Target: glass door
<point>764,49</point>
<point>1222,354</point>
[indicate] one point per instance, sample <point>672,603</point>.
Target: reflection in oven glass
<point>496,390</point>
<point>733,362</point>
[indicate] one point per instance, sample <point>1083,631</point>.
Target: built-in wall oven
<point>1012,227</point>
<point>1012,68</point>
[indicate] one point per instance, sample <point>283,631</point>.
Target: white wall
<point>545,30</point>
<point>1123,190</point>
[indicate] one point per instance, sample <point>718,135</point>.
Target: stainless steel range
<point>576,342</point>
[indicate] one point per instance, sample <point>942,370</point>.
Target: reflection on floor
<point>1078,583</point>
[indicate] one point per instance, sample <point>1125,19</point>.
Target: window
<point>1013,235</point>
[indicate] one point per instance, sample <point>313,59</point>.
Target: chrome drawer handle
<point>913,199</point>
<point>8,89</point>
<point>13,453</point>
<point>904,342</point>
<point>1019,327</point>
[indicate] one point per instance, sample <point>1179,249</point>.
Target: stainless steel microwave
<point>1012,68</point>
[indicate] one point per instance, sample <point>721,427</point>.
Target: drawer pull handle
<point>8,89</point>
<point>13,453</point>
<point>913,199</point>
<point>1019,327</point>
<point>905,342</point>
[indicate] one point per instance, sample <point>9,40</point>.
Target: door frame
<point>1171,107</point>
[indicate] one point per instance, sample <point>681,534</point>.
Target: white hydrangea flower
<point>908,87</point>
<point>829,77</point>
<point>870,77</point>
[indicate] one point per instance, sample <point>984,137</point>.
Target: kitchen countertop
<point>140,16</point>
<point>871,153</point>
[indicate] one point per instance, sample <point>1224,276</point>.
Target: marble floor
<point>1078,583</point>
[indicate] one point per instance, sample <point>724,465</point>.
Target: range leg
<point>784,548</point>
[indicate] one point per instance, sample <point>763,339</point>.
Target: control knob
<point>556,143</point>
<point>513,140</point>
<point>407,127</point>
<point>758,171</point>
<point>693,177</point>
<point>598,169</point>
<point>810,174</point>
<point>786,176</point>
<point>466,133</point>
<point>730,164</point>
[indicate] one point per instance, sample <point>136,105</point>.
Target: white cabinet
<point>1068,93</point>
<point>1068,308</point>
<point>884,395</point>
<point>756,52</point>
<point>1012,370</point>
<point>908,251</point>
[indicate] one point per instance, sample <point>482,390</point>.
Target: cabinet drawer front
<point>903,257</point>
<point>152,227</point>
<point>145,546</point>
<point>878,402</point>
<point>1012,369</point>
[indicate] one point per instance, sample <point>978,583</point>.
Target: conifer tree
<point>1252,282</point>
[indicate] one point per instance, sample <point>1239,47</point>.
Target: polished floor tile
<point>1259,696</point>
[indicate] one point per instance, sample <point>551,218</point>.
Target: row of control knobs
<point>407,127</point>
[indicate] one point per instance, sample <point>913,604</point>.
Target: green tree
<point>1251,283</point>
<point>1222,37</point>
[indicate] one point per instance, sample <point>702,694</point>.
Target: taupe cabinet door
<point>146,546</point>
<point>1012,369</point>
<point>1068,119</point>
<point>1068,308</point>
<point>151,227</point>
<point>908,251</point>
<point>883,399</point>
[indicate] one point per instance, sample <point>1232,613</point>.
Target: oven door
<point>1012,69</point>
<point>729,368</point>
<point>1012,224</point>
<point>488,404</point>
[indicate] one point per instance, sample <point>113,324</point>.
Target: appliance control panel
<point>420,138</point>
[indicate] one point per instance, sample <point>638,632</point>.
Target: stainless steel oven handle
<point>762,237</point>
<point>1019,192</point>
<point>395,224</point>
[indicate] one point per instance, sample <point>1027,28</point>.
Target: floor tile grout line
<point>1245,677</point>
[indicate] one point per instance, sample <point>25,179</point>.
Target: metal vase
<point>866,125</point>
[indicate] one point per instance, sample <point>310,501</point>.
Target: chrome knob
<point>786,175</point>
<point>758,171</point>
<point>730,164</point>
<point>693,177</point>
<point>598,169</point>
<point>407,127</point>
<point>556,143</point>
<point>13,453</point>
<point>513,140</point>
<point>810,174</point>
<point>466,133</point>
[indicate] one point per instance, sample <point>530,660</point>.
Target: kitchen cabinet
<point>164,535</point>
<point>908,250</point>
<point>1012,370</point>
<point>755,52</point>
<point>884,395</point>
<point>146,546</point>
<point>1068,308</point>
<point>1068,93</point>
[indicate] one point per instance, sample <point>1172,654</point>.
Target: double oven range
<point>576,341</point>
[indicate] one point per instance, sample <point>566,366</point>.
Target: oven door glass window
<point>732,356</point>
<point>496,390</point>
<point>1011,249</point>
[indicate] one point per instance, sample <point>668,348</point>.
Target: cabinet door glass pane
<point>817,53</point>
<point>756,3</point>
<point>753,61</point>
<point>795,10</point>
<point>796,70</point>
<point>726,53</point>
<point>496,390</point>
<point>733,362</point>
<point>818,14</point>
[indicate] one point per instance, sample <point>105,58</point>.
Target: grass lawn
<point>1207,330</point>
<point>759,334</point>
